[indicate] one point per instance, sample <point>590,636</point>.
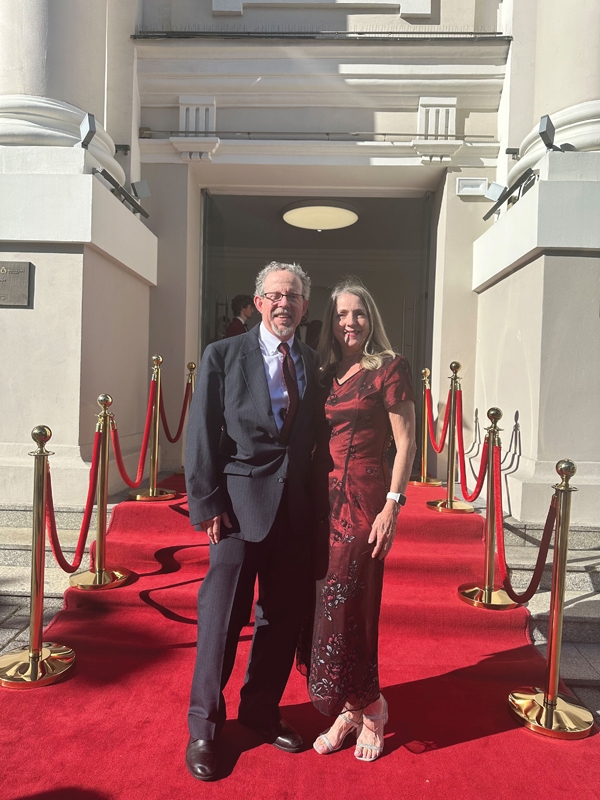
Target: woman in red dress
<point>370,399</point>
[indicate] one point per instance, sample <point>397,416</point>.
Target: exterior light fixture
<point>320,216</point>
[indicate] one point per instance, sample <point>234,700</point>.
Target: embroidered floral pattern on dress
<point>335,592</point>
<point>333,662</point>
<point>342,536</point>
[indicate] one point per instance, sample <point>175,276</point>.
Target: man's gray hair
<point>277,266</point>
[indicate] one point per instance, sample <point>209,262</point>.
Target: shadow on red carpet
<point>116,728</point>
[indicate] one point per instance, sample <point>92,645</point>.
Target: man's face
<point>247,311</point>
<point>282,317</point>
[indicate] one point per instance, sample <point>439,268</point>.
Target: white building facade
<point>231,110</point>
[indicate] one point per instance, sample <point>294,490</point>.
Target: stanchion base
<point>158,494</point>
<point>457,507</point>
<point>110,579</point>
<point>18,672</point>
<point>476,596</point>
<point>569,719</point>
<point>426,482</point>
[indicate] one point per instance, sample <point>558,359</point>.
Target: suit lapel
<point>252,366</point>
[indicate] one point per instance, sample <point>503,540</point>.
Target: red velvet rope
<point>116,443</point>
<point>544,544</point>
<point>87,514</point>
<point>461,454</point>
<point>163,416</point>
<point>437,447</point>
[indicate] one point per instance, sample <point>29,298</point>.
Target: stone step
<point>15,581</point>
<point>521,534</point>
<point>581,618</point>
<point>579,663</point>
<point>15,547</point>
<point>583,569</point>
<point>67,517</point>
<point>15,562</point>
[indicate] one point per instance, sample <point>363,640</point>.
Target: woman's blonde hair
<point>377,348</point>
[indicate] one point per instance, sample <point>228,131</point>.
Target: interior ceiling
<point>383,224</point>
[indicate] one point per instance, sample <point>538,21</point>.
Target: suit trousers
<point>281,561</point>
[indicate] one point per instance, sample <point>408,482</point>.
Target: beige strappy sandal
<point>377,750</point>
<point>330,747</point>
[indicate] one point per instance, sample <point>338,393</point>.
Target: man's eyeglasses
<point>276,297</point>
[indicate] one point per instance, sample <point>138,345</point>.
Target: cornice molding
<point>456,153</point>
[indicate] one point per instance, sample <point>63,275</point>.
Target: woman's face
<point>350,324</point>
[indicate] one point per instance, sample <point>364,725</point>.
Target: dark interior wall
<point>385,248</point>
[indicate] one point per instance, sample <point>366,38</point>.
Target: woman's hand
<point>384,529</point>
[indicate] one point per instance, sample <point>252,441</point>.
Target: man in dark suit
<point>257,461</point>
<point>243,308</point>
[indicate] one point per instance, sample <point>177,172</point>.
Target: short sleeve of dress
<point>397,383</point>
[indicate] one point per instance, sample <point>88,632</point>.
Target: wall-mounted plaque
<point>15,284</point>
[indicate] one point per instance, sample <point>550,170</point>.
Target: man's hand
<point>213,527</point>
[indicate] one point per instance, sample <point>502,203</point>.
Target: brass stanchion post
<point>450,504</point>
<point>472,593</point>
<point>548,712</point>
<point>424,480</point>
<point>42,662</point>
<point>153,492</point>
<point>191,379</point>
<point>101,577</point>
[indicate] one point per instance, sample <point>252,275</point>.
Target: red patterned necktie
<point>291,384</point>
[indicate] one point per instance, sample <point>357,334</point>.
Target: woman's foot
<point>331,740</point>
<point>369,743</point>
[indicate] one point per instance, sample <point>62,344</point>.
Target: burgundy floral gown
<point>343,659</point>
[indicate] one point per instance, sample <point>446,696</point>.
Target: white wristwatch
<point>397,497</point>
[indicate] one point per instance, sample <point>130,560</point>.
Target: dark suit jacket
<point>235,327</point>
<point>235,459</point>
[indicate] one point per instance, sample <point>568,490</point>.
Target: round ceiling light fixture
<point>327,215</point>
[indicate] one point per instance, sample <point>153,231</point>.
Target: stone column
<point>85,329</point>
<point>567,60</point>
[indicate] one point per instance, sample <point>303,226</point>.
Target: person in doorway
<point>370,397</point>
<point>257,464</point>
<point>242,306</point>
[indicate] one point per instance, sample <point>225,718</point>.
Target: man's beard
<point>282,328</point>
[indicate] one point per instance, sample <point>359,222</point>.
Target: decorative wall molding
<point>29,121</point>
<point>197,113</point>
<point>436,123</point>
<point>579,125</point>
<point>408,8</point>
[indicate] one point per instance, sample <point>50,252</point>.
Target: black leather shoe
<point>279,734</point>
<point>201,759</point>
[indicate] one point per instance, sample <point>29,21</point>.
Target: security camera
<point>140,189</point>
<point>87,130</point>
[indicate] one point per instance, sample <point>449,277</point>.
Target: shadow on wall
<point>512,458</point>
<point>510,461</point>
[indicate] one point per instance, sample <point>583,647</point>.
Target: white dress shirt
<point>274,369</point>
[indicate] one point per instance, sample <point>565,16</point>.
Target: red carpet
<point>117,727</point>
